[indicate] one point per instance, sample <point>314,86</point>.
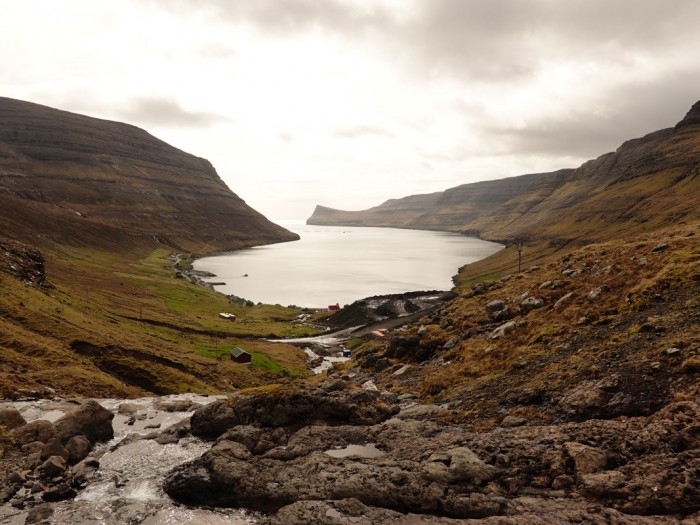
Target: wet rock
<point>53,447</point>
<point>78,448</point>
<point>293,408</point>
<point>11,418</point>
<point>39,430</point>
<point>180,405</point>
<point>39,515</point>
<point>90,420</point>
<point>247,435</point>
<point>85,470</point>
<point>53,466</point>
<point>60,492</point>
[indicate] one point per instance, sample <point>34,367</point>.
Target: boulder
<point>52,467</point>
<point>293,408</point>
<point>531,303</point>
<point>458,464</point>
<point>90,420</point>
<point>502,330</point>
<point>78,448</point>
<point>587,460</point>
<point>11,418</point>
<point>564,301</point>
<point>39,430</point>
<point>53,447</point>
<point>495,306</point>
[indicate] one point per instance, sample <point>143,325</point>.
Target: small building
<point>334,307</point>
<point>241,356</point>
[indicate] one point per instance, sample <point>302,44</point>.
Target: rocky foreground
<point>275,453</point>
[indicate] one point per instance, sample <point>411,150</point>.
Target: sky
<point>348,103</point>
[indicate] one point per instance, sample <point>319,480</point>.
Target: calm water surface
<point>337,264</point>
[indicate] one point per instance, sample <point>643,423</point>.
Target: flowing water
<point>333,264</point>
<point>127,486</point>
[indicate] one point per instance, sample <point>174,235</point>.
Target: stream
<point>127,486</point>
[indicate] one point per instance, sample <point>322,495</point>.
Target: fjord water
<point>339,264</point>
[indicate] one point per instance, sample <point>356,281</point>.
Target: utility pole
<point>519,246</point>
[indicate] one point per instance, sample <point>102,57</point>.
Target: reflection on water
<point>332,264</point>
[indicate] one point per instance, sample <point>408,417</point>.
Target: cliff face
<point>648,182</point>
<point>68,179</point>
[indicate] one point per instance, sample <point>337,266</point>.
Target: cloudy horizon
<point>348,103</point>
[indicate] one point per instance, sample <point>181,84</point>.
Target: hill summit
<point>69,179</point>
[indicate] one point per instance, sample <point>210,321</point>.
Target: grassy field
<point>122,324</point>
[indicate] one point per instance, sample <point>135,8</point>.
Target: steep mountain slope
<point>68,179</point>
<point>647,183</point>
<point>91,212</point>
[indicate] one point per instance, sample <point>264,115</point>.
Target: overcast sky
<point>348,103</point>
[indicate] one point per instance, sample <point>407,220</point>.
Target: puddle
<point>369,450</point>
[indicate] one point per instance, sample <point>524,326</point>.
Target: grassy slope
<point>651,304</point>
<point>122,325</point>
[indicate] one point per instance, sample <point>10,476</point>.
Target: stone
<point>513,421</point>
<point>85,470</point>
<point>39,515</point>
<point>673,351</point>
<point>53,447</point>
<point>502,330</point>
<point>495,306</point>
<point>503,315</point>
<point>53,466</point>
<point>531,303</point>
<point>35,447</point>
<point>564,301</point>
<point>78,448</point>
<point>594,294</point>
<point>11,418</point>
<point>39,430</point>
<point>90,420</point>
<point>603,483</point>
<point>660,247</point>
<point>587,460</point>
<point>458,464</point>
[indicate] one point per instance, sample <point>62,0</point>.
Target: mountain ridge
<point>71,179</point>
<point>648,182</point>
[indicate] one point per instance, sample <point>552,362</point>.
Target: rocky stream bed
<point>341,454</point>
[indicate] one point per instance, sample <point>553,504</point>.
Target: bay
<point>339,264</point>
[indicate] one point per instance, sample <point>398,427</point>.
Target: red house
<point>241,356</point>
<point>334,307</point>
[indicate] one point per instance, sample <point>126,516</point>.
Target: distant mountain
<point>648,182</point>
<point>69,179</point>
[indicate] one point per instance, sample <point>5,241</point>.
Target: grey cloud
<point>285,16</point>
<point>481,40</point>
<point>631,111</point>
<point>505,40</point>
<point>167,112</point>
